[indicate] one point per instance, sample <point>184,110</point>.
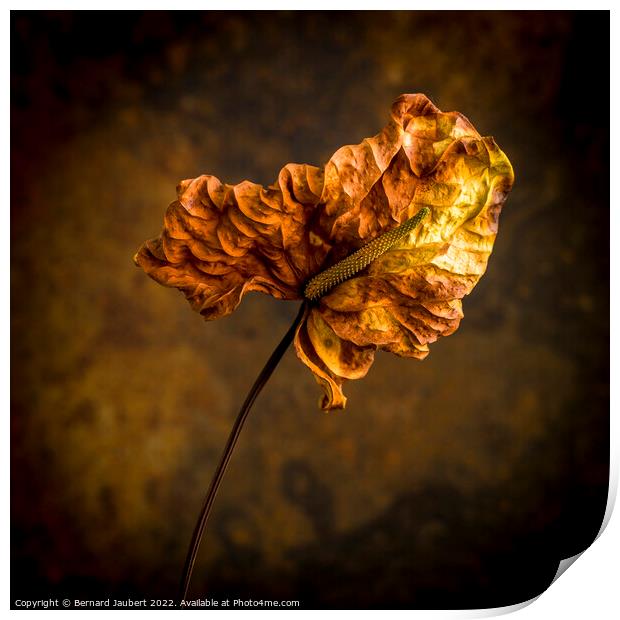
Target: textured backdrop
<point>459,481</point>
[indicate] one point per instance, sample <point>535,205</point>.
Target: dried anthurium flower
<point>419,203</point>
<point>382,244</point>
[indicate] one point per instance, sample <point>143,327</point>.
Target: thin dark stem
<point>262,379</point>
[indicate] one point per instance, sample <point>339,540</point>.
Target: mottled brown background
<point>459,481</point>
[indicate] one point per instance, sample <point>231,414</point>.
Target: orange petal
<point>333,397</point>
<point>220,241</point>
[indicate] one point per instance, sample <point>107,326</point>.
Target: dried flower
<point>221,241</point>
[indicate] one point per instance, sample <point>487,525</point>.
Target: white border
<point>588,588</point>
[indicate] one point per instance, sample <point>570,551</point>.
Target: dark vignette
<point>108,108</point>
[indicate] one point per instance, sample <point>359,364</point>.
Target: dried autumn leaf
<point>220,241</point>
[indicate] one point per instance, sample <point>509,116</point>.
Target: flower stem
<point>260,382</point>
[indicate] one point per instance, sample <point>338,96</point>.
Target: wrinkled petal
<point>331,384</point>
<point>411,295</point>
<point>330,358</point>
<point>220,241</point>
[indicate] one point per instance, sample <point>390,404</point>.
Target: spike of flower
<point>354,263</point>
